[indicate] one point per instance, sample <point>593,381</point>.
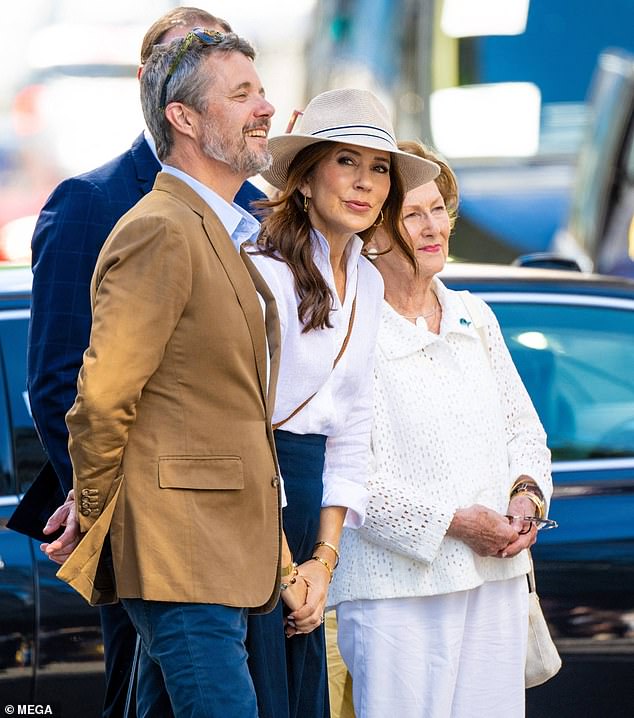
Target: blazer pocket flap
<point>201,472</point>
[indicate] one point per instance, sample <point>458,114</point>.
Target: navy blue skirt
<point>289,674</point>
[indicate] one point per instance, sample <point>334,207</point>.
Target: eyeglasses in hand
<point>540,524</point>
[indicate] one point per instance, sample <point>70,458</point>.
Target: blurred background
<point>517,94</point>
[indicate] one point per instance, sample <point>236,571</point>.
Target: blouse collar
<point>321,255</point>
<point>399,337</point>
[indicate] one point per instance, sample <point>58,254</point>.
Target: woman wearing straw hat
<point>340,176</point>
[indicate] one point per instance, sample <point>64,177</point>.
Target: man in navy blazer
<point>71,229</point>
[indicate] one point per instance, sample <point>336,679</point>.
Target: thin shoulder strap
<point>346,339</point>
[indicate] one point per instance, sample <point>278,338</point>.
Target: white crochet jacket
<point>451,429</point>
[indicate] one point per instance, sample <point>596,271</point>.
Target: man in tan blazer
<point>170,440</point>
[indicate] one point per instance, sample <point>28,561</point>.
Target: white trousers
<point>457,655</point>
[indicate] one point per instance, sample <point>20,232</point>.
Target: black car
<point>571,336</point>
<point>51,653</point>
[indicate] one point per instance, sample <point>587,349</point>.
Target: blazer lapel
<point>272,328</point>
<point>243,287</point>
<point>236,271</point>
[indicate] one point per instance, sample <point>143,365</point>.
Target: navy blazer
<point>71,229</point>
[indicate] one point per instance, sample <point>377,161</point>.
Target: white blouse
<point>342,407</point>
<point>452,428</point>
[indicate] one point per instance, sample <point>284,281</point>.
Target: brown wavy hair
<point>285,234</point>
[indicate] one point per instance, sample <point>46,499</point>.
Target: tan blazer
<point>170,433</point>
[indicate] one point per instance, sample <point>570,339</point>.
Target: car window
<point>575,362</point>
<point>29,455</point>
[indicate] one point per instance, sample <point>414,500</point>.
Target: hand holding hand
<point>65,515</point>
<point>311,614</point>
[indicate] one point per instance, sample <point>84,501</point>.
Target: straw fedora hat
<point>351,117</point>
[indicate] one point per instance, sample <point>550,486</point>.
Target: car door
<point>18,607</point>
<point>574,354</point>
<point>66,650</point>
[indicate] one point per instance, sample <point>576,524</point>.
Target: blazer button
<point>275,482</point>
<point>86,512</point>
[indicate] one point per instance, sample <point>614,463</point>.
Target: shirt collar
<point>322,248</point>
<point>321,255</point>
<point>240,225</point>
<point>456,318</point>
<point>399,337</point>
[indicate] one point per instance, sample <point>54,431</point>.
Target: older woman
<point>339,177</point>
<point>431,593</point>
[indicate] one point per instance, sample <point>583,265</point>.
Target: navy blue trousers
<point>193,662</point>
<point>289,674</point>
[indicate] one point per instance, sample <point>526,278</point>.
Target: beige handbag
<point>542,658</point>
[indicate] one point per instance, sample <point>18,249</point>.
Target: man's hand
<point>65,515</point>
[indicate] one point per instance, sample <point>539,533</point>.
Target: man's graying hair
<point>187,84</point>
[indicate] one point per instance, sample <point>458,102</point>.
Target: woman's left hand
<point>520,506</point>
<point>311,615</point>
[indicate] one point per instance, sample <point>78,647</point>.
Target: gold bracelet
<point>526,484</point>
<point>539,504</point>
<point>288,570</point>
<point>290,581</point>
<point>331,547</point>
<point>324,563</point>
<point>286,584</point>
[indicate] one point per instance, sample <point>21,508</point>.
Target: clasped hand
<point>489,533</point>
<point>306,599</point>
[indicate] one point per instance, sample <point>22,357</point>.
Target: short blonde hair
<point>446,181</point>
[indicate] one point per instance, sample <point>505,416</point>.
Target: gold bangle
<point>539,504</point>
<point>331,547</point>
<point>325,563</point>
<point>288,570</point>
<point>525,484</point>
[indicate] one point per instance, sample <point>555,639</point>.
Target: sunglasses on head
<point>206,37</point>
